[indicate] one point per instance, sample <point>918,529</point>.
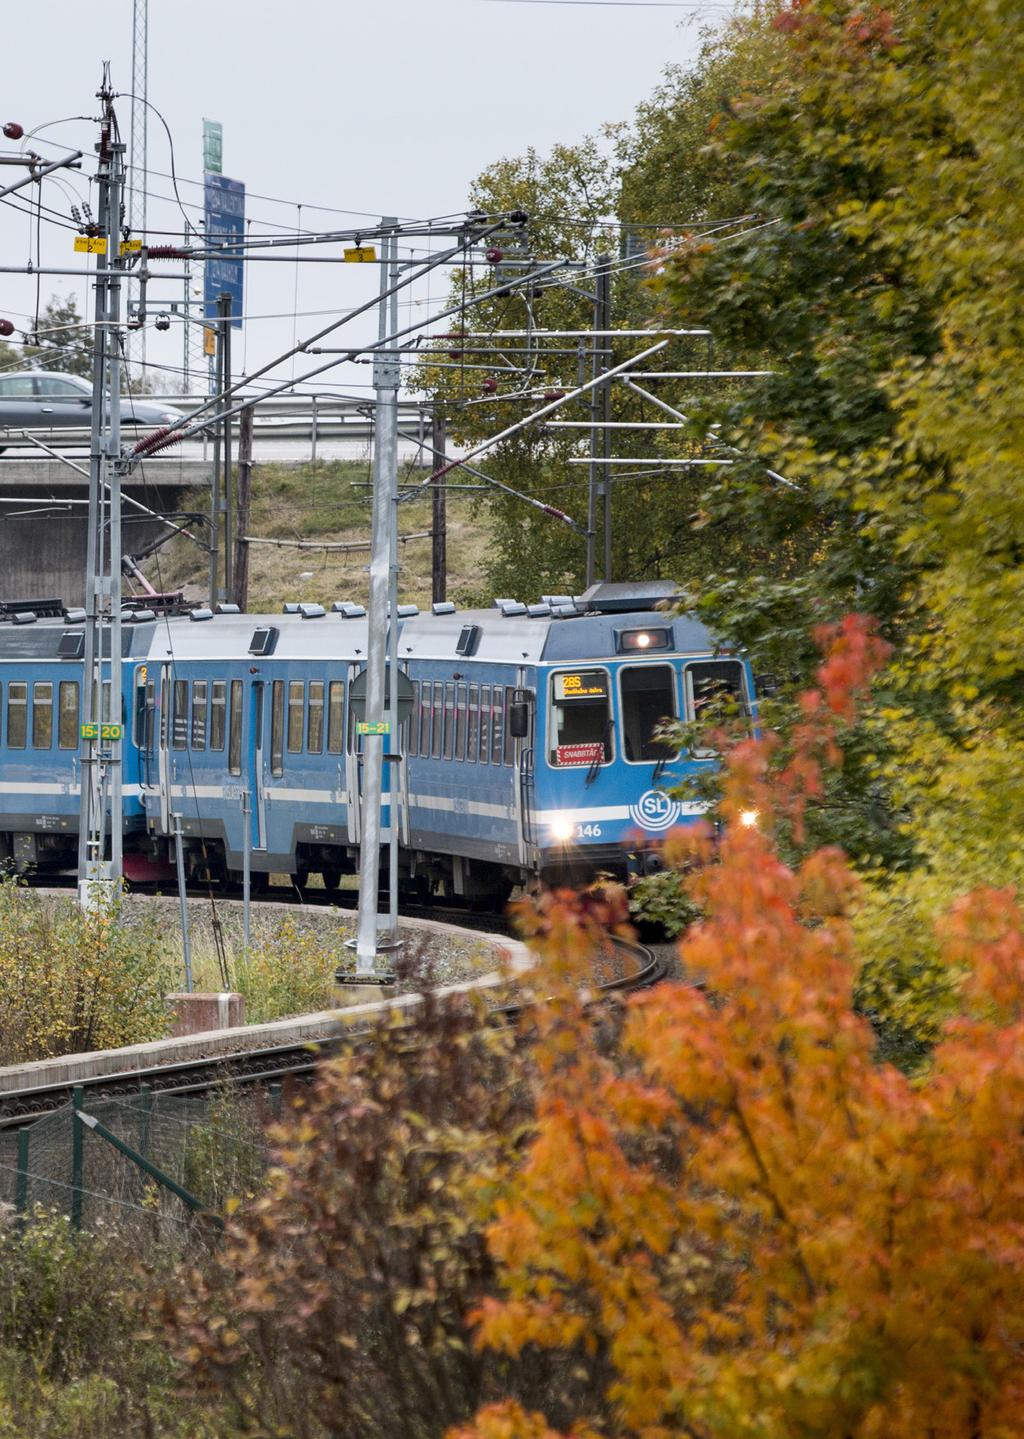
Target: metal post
<point>21,1176</point>
<point>145,1117</point>
<point>385,379</point>
<point>604,312</point>
<point>241,576</point>
<point>220,431</point>
<point>179,861</point>
<point>393,745</point>
<point>312,450</point>
<point>77,1156</point>
<point>439,524</point>
<point>226,462</point>
<point>100,757</point>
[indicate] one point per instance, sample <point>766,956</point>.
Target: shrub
<point>71,981</point>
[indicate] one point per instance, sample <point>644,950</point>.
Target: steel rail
<point>268,1065</point>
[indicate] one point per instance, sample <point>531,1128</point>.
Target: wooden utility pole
<point>241,575</point>
<point>439,523</point>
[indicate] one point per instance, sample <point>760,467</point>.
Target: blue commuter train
<point>532,746</point>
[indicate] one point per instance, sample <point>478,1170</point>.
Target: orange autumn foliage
<point>743,1219</point>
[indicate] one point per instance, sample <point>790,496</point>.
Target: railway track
<point>634,965</point>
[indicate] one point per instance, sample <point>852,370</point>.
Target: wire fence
<point>150,1165</point>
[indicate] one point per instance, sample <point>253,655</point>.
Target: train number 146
<point>588,831</point>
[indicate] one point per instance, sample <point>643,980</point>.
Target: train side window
<point>581,718</point>
<point>235,728</point>
<point>460,721</point>
<point>438,720</point>
<point>17,714</point>
<point>648,694</point>
<point>179,728</point>
<point>296,714</point>
<point>425,713</point>
<point>485,724</point>
<point>498,725</point>
<point>277,729</point>
<point>42,714</point>
<point>315,718</point>
<point>67,714</point>
<point>413,727</point>
<point>198,714</point>
<point>473,728</point>
<point>150,730</point>
<point>218,704</point>
<point>335,716</point>
<point>449,720</point>
<point>714,686</point>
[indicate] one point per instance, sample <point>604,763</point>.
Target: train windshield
<point>648,701</point>
<point>714,689</point>
<point>581,718</point>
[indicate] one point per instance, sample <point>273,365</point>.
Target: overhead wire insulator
<point>167,252</point>
<point>489,386</point>
<point>13,130</point>
<point>6,327</point>
<point>493,256</point>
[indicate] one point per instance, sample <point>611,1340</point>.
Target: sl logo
<point>655,811</point>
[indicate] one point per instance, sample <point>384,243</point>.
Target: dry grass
<point>329,501</point>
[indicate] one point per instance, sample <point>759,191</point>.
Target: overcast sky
<point>365,106</point>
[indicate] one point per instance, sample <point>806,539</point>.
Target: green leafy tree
<point>64,341</point>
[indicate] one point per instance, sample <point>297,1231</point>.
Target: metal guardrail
<point>314,418</point>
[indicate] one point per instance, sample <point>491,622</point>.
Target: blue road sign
<point>225,226</point>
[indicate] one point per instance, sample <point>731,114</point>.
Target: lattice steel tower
<point>138,176</point>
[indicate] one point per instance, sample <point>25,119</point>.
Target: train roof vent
<point>624,597</point>
<point>348,611</point>
<point>263,640</point>
<point>202,613</point>
<point>291,607</point>
<point>537,612</point>
<point>511,607</point>
<point>443,607</point>
<point>312,612</point>
<point>556,599</point>
<point>469,638</point>
<point>75,617</point>
<point>500,603</point>
<point>227,609</point>
<point>406,612</point>
<point>136,617</point>
<point>565,612</point>
<point>25,617</point>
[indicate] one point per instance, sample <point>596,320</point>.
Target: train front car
<point>609,681</point>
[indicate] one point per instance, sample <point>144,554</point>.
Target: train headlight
<point>561,828</point>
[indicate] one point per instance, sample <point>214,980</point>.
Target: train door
<point>353,768</point>
<point>523,758</point>
<point>257,764</point>
<point>164,689</point>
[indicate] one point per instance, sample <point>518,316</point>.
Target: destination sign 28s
<point>581,685</point>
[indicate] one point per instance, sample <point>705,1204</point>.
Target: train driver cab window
<point>648,698</point>
<point>714,692</point>
<point>581,718</point>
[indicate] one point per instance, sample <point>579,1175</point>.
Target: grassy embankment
<point>330,502</point>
